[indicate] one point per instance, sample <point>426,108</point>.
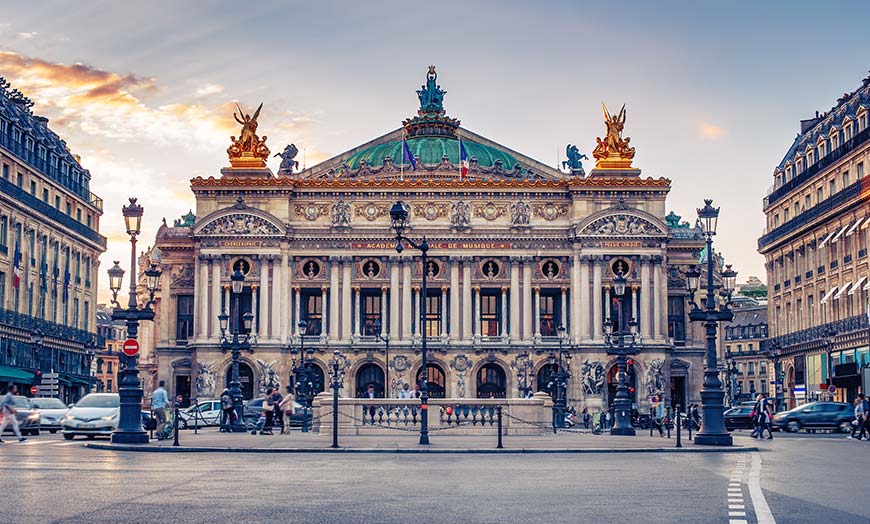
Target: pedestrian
<point>696,417</point>
<point>759,416</point>
<point>159,402</point>
<point>227,412</point>
<point>277,414</point>
<point>268,413</point>
<point>286,407</point>
<point>767,423</point>
<point>8,413</point>
<point>405,392</point>
<point>862,418</point>
<point>586,418</point>
<point>607,419</point>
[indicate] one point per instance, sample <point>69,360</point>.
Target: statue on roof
<point>613,152</point>
<point>287,162</point>
<point>249,151</point>
<point>187,220</point>
<point>431,95</point>
<point>575,159</point>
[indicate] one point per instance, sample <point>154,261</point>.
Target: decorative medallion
<point>460,363</point>
<point>312,211</point>
<point>550,269</point>
<point>430,210</point>
<point>620,266</point>
<point>242,264</point>
<point>370,268</point>
<point>401,363</point>
<point>310,268</point>
<point>490,211</point>
<point>550,210</point>
<point>490,269</point>
<point>372,211</point>
<point>432,269</point>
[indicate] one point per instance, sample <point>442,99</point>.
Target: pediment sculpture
<point>622,225</point>
<point>240,224</point>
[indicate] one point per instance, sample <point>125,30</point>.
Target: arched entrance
<point>370,375</point>
<point>246,380</point>
<point>630,381</point>
<point>436,381</point>
<point>317,382</point>
<point>545,381</point>
<point>491,382</point>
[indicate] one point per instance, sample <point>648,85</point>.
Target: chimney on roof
<point>41,119</point>
<point>809,123</point>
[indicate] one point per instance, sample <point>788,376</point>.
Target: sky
<point>144,91</point>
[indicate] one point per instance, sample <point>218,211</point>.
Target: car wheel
<point>68,436</point>
<point>182,424</point>
<point>52,431</point>
<point>793,426</point>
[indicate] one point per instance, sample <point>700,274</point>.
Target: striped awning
<point>839,233</point>
<point>825,241</point>
<point>855,226</point>
<point>857,285</point>
<point>828,295</point>
<point>843,289</point>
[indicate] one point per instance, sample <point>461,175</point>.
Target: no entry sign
<point>131,347</point>
<point>34,390</point>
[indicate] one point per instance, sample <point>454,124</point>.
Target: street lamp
<point>236,344</point>
<point>713,431</point>
<point>616,345</point>
<point>560,377</point>
<point>399,214</point>
<point>731,374</point>
<point>129,429</point>
<point>830,339</point>
<point>303,377</point>
<point>337,364</point>
<point>385,338</point>
<point>523,364</point>
<point>36,340</point>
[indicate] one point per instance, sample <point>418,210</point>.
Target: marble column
<point>406,300</point>
<point>385,326</point>
<point>583,307</point>
<point>355,315</point>
<point>166,303</point>
<point>297,305</point>
<point>415,316</point>
<point>537,323</point>
<point>201,297</point>
<point>467,317</point>
<point>597,312</point>
<point>453,325</point>
<point>444,312</point>
<point>346,300</point>
<point>504,312</point>
<point>663,292</point>
<point>563,317</point>
<point>216,296</point>
<point>276,327</point>
<point>285,327</point>
<point>515,300</point>
<point>333,299</point>
<point>527,300</point>
<point>646,297</point>
<point>255,292</point>
<point>225,301</point>
<point>394,298</point>
<point>263,301</point>
<point>324,318</point>
<point>475,306</point>
<point>657,298</point>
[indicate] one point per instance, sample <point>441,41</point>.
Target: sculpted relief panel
<point>623,225</point>
<point>240,224</point>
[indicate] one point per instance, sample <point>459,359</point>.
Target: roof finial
<point>431,95</point>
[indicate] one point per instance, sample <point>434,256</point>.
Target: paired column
<point>415,318</point>
<point>263,301</point>
<point>215,296</point>
<point>597,313</point>
<point>657,297</point>
<point>406,300</point>
<point>355,315</point>
<point>527,299</point>
<point>454,299</point>
<point>346,313</point>
<point>384,326</point>
<point>504,312</point>
<point>444,312</point>
<point>333,299</point>
<point>646,298</point>
<point>276,332</point>
<point>166,302</point>
<point>582,308</point>
<point>297,305</point>
<point>324,318</point>
<point>515,299</point>
<point>537,305</point>
<point>394,298</point>
<point>283,327</point>
<point>563,317</point>
<point>467,316</point>
<point>475,306</point>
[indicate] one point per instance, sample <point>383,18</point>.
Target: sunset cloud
<point>209,89</point>
<point>710,131</point>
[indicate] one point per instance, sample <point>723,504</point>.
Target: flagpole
<point>459,136</point>
<point>402,163</point>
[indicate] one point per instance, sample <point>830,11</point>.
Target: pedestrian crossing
<point>747,475</point>
<point>48,443</point>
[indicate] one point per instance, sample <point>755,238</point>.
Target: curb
<point>422,451</point>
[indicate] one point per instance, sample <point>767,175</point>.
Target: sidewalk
<point>211,440</point>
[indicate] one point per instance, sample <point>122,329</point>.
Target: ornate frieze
<point>240,224</point>
<point>490,211</point>
<point>622,224</point>
<point>521,214</point>
<point>311,211</point>
<point>550,211</point>
<point>182,277</point>
<point>430,210</point>
<point>341,214</point>
<point>372,211</point>
<point>460,214</point>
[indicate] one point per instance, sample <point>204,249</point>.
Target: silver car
<point>28,419</point>
<point>96,414</point>
<point>51,411</point>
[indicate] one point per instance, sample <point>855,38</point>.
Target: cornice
<point>456,184</point>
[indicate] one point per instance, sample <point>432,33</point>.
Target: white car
<point>51,411</point>
<point>209,414</point>
<point>96,414</point>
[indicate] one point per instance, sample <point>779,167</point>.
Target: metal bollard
<point>196,417</point>
<point>498,411</point>
<point>679,427</point>
<point>175,425</point>
<point>652,420</point>
<point>691,423</point>
<point>670,420</point>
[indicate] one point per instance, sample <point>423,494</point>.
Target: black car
<point>816,415</point>
<point>739,418</point>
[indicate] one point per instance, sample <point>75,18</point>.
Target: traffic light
<point>630,364</point>
<point>37,378</point>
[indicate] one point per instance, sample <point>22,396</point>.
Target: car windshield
<point>21,402</point>
<point>47,403</point>
<point>99,401</point>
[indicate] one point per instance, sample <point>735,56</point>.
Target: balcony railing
<point>68,222</point>
<point>845,148</point>
<point>821,332</point>
<point>49,329</point>
<point>849,193</point>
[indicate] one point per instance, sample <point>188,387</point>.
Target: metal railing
<point>820,332</point>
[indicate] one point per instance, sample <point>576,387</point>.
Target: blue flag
<point>407,155</point>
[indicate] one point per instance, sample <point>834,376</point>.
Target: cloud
<point>27,36</point>
<point>710,131</point>
<point>209,89</point>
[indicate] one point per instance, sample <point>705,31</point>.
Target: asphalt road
<point>802,479</point>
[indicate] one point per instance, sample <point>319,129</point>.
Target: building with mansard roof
<point>518,249</point>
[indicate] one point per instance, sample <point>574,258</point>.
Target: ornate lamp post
<point>616,345</point>
<point>523,364</point>
<point>238,340</point>
<point>731,373</point>
<point>399,214</point>
<point>712,430</point>
<point>385,338</point>
<point>303,377</point>
<point>337,365</point>
<point>561,382</point>
<point>830,340</point>
<point>36,340</point>
<point>129,429</point>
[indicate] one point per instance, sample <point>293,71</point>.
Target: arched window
<point>545,379</point>
<point>491,382</point>
<point>246,380</point>
<point>317,382</point>
<point>436,381</point>
<point>370,375</point>
<point>630,381</point>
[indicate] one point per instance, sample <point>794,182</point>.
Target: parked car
<point>51,411</point>
<point>816,415</point>
<point>739,418</point>
<point>28,419</point>
<point>206,412</point>
<point>96,414</point>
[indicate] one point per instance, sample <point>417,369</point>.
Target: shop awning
<point>843,289</point>
<point>828,295</point>
<point>825,241</point>
<point>857,285</point>
<point>11,374</point>
<point>854,227</point>
<point>838,235</point>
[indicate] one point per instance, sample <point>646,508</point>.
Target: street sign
<point>131,347</point>
<point>832,389</point>
<point>34,390</point>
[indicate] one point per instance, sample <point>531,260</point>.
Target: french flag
<point>463,160</point>
<point>16,268</point>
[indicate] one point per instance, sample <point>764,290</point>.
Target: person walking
<point>8,413</point>
<point>586,418</point>
<point>159,402</point>
<point>767,423</point>
<point>862,415</point>
<point>277,413</point>
<point>757,416</point>
<point>286,409</point>
<point>268,413</point>
<point>227,412</point>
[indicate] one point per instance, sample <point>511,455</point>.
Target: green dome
<point>430,150</point>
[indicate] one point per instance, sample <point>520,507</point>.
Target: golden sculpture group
<point>613,152</point>
<point>248,151</point>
